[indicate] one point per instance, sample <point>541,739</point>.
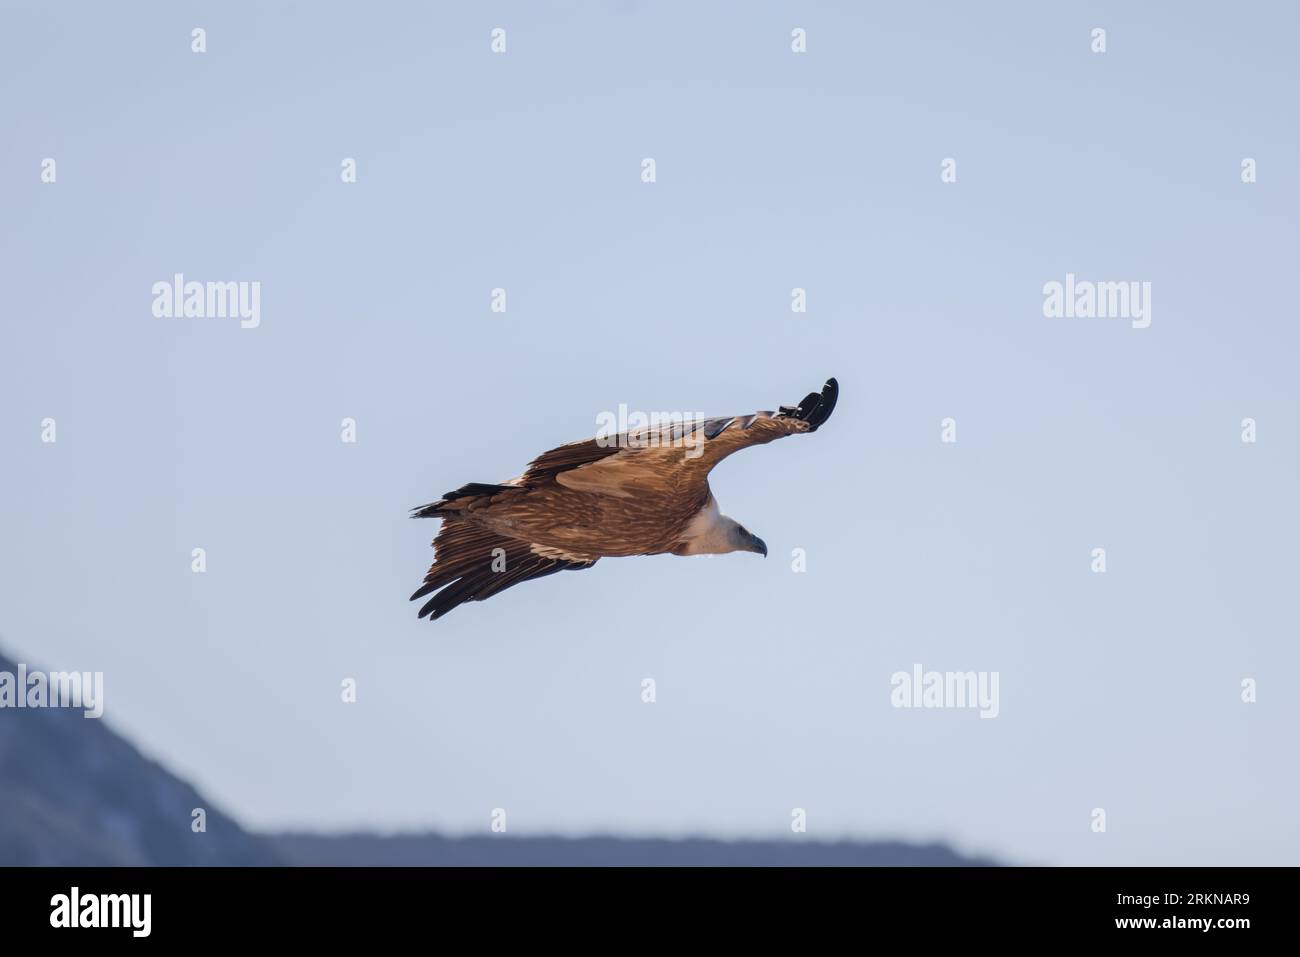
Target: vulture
<point>642,492</point>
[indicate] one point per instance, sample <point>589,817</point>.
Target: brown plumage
<point>639,493</point>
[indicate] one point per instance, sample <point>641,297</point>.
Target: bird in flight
<point>643,492</point>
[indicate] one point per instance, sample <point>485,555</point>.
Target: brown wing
<point>472,563</point>
<point>678,457</point>
<point>732,435</point>
<point>669,462</point>
<point>546,466</point>
<point>573,455</point>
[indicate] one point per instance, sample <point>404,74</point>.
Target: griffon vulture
<point>643,492</point>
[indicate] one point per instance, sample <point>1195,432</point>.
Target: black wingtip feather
<point>825,405</point>
<point>816,407</point>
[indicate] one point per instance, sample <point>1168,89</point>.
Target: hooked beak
<point>758,545</point>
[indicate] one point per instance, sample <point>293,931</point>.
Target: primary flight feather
<point>637,493</point>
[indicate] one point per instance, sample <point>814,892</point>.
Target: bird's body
<point>640,493</point>
<point>589,524</point>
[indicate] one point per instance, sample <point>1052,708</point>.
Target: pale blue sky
<point>775,170</point>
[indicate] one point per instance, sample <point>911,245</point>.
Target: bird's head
<point>743,540</point>
<point>718,535</point>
